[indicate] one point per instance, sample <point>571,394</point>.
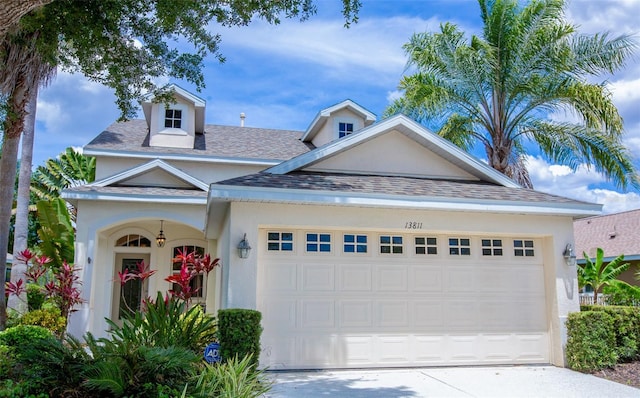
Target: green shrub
<point>40,363</point>
<point>21,335</point>
<point>239,333</point>
<point>142,372</point>
<point>591,342</point>
<point>166,324</point>
<point>7,362</point>
<point>35,296</point>
<point>626,326</point>
<point>49,318</point>
<point>232,379</point>
<point>622,294</point>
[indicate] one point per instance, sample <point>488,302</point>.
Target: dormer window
<point>173,118</point>
<point>344,129</point>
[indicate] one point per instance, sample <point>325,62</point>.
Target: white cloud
<point>394,95</point>
<point>370,49</point>
<point>561,180</point>
<point>616,16</point>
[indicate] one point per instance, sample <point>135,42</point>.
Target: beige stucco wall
<point>329,130</point>
<point>406,158</point>
<point>100,224</point>
<point>207,172</point>
<point>561,285</point>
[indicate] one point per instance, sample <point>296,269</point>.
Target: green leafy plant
<point>166,322</point>
<point>50,318</point>
<point>240,332</point>
<point>35,296</point>
<point>591,341</point>
<point>599,274</point>
<point>122,371</point>
<point>622,293</point>
<point>232,379</point>
<point>41,362</point>
<point>626,329</point>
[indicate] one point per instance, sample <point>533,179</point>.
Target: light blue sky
<point>281,76</point>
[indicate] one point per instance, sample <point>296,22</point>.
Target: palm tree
<point>23,71</point>
<point>70,169</point>
<point>599,274</point>
<point>497,89</point>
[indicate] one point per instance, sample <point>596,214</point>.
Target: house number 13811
<point>413,225</point>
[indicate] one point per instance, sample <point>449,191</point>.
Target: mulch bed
<point>624,373</point>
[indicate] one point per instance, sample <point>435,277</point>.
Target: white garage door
<point>358,299</point>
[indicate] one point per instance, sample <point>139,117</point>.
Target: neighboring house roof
<point>217,144</point>
<point>616,234</point>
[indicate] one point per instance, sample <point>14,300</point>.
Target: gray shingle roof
<point>217,141</point>
<point>615,233</point>
<point>137,191</point>
<point>392,185</point>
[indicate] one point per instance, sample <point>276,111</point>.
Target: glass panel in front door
<point>131,292</point>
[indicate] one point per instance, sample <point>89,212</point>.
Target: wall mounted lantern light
<point>569,256</point>
<point>243,247</point>
<point>161,239</point>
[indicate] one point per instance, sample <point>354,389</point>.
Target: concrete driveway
<point>504,381</point>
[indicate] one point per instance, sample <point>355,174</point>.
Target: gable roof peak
<point>410,129</point>
<point>321,117</point>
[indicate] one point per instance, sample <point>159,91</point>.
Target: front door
<point>127,298</point>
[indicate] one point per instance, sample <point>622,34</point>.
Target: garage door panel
<point>426,279</point>
<point>461,314</point>
<point>429,349</point>
<point>392,278</point>
<point>316,313</point>
<point>463,349</point>
<point>460,279</point>
<point>394,314</point>
<point>494,279</point>
<point>317,350</point>
<point>355,278</point>
<point>281,313</point>
<point>356,314</point>
<point>282,277</point>
<point>530,347</point>
<point>531,278</point>
<point>358,350</point>
<point>428,314</point>
<point>278,351</point>
<point>318,277</point>
<point>497,315</point>
<point>393,349</point>
<point>530,315</point>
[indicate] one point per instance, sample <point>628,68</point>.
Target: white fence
<point>587,299</point>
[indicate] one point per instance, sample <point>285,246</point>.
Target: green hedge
<point>591,341</point>
<point>239,330</point>
<point>626,327</point>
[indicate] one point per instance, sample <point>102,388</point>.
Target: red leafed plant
<point>142,272</point>
<point>64,289</point>
<point>63,284</point>
<point>192,264</point>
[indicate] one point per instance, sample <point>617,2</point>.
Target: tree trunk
<point>13,126</point>
<point>12,10</point>
<point>21,226</point>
